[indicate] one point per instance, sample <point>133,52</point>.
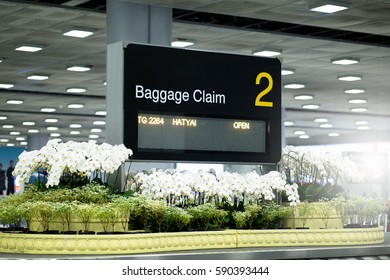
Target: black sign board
<point>183,105</point>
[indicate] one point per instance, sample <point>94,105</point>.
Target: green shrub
<point>64,211</point>
<point>107,216</point>
<point>43,212</point>
<point>157,211</point>
<point>85,212</point>
<point>305,210</point>
<point>124,207</point>
<point>240,218</point>
<point>176,218</point>
<point>202,215</point>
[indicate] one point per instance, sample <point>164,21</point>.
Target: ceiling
<point>308,40</point>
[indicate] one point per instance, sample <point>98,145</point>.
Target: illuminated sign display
<point>182,105</point>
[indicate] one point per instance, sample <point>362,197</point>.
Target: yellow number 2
<point>258,101</point>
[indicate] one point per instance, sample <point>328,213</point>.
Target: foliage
<point>85,212</point>
<point>64,211</point>
<point>305,211</point>
<point>107,216</point>
<point>157,210</point>
<point>44,213</point>
<point>240,218</point>
<point>202,215</point>
<point>324,209</point>
<point>314,192</point>
<point>271,215</point>
<point>176,218</point>
<point>124,208</point>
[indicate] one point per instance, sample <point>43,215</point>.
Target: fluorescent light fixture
<point>357,101</point>
<point>299,132</point>
<point>99,122</point>
<point>75,106</point>
<point>79,68</point>
<point>288,123</point>
<point>76,90</point>
<point>96,130</point>
<point>10,145</point>
<point>4,140</point>
<point>310,106</point>
<point>333,134</point>
<point>363,127</point>
<point>345,61</point>
<point>268,53</point>
<point>321,120</point>
<point>14,133</point>
<point>23,143</point>
<point>74,132</point>
<point>358,110</point>
<point>329,8</point>
<point>8,126</point>
<point>101,113</point>
<point>2,118</point>
<point>354,91</point>
<point>286,72</point>
<point>14,102</point>
<point>48,110</point>
<point>6,86</point>
<point>79,32</point>
<point>52,128</point>
<point>55,134</point>
<point>75,125</point>
<point>93,136</point>
<point>303,97</point>
<point>350,78</point>
<point>361,122</point>
<point>51,120</point>
<point>28,123</point>
<point>29,48</point>
<point>294,86</point>
<point>326,125</point>
<point>20,138</point>
<point>38,77</point>
<point>304,136</point>
<point>33,131</point>
<point>181,43</point>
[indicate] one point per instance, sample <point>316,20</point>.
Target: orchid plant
<point>71,159</point>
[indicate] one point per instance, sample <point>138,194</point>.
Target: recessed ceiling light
<point>357,101</point>
<point>299,132</point>
<point>55,134</point>
<point>29,48</point>
<point>20,138</point>
<point>48,110</point>
<point>15,102</point>
<point>2,118</point>
<point>350,78</point>
<point>23,143</point>
<point>326,125</point>
<point>363,127</point>
<point>14,133</point>
<point>79,68</point>
<point>99,122</point>
<point>33,131</point>
<point>286,72</point>
<point>57,139</point>
<point>101,113</point>
<point>358,110</point>
<point>74,132</point>
<point>76,90</point>
<point>268,53</point>
<point>333,134</point>
<point>96,130</point>
<point>52,128</point>
<point>75,106</point>
<point>345,61</point>
<point>93,136</point>
<point>8,126</point>
<point>303,97</point>
<point>75,125</point>
<point>310,106</point>
<point>79,32</point>
<point>38,77</point>
<point>51,120</point>
<point>321,120</point>
<point>304,136</point>
<point>288,123</point>
<point>104,83</point>
<point>181,43</point>
<point>28,123</point>
<point>10,144</point>
<point>1,59</point>
<point>328,8</point>
<point>294,86</point>
<point>6,86</point>
<point>4,140</point>
<point>354,91</point>
<point>361,122</point>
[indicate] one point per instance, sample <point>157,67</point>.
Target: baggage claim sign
<point>183,105</point>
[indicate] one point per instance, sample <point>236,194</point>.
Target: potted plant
<point>305,211</point>
<point>85,213</point>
